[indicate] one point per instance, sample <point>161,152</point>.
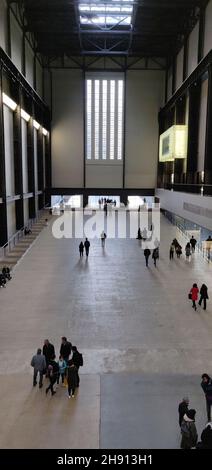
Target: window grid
<point>120,119</point>
<point>96,119</point>
<point>89,140</point>
<point>112,118</point>
<point>104,119</point>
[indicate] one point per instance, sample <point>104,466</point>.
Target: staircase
<point>15,254</point>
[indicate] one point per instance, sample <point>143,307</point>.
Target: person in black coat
<point>71,378</point>
<point>155,255</point>
<point>87,246</point>
<point>77,360</point>
<point>147,254</point>
<point>206,438</point>
<point>53,371</point>
<point>206,385</point>
<point>48,351</point>
<point>182,409</point>
<point>81,249</point>
<point>65,349</point>
<point>203,295</point>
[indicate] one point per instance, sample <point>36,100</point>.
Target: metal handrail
<point>12,242</point>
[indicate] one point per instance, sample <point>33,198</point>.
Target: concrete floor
<point>144,347</point>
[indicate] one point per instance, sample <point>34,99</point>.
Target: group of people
<point>86,246</point>
<point>67,367</point>
<point>155,255</point>
<point>175,247</point>
<point>5,276</point>
<point>194,295</point>
<point>187,420</point>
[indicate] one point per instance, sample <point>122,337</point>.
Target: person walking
<point>103,238</point>
<point>178,250</point>
<point>194,295</point>
<point>155,255</point>
<point>87,246</point>
<point>53,370</point>
<point>71,378</point>
<point>188,251</point>
<point>39,363</point>
<point>188,430</point>
<point>77,359</point>
<point>81,249</point>
<point>206,385</point>
<point>48,351</point>
<point>147,254</point>
<point>203,295</point>
<point>62,369</point>
<point>193,243</point>
<point>171,251</point>
<point>182,409</point>
<point>65,349</point>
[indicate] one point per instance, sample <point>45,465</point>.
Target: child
<point>62,369</point>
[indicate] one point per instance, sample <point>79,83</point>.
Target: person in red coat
<point>194,295</point>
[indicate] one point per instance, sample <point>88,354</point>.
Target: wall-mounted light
<point>172,178</point>
<point>36,124</point>
<point>202,190</point>
<point>45,131</point>
<point>25,115</point>
<point>9,102</point>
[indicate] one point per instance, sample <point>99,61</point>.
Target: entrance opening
<point>97,202</point>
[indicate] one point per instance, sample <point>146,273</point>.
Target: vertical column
<point>19,209</point>
<point>3,204</point>
<point>208,137</point>
<point>193,134</point>
<point>179,119</point>
<point>48,168</point>
<point>31,167</point>
<point>40,169</point>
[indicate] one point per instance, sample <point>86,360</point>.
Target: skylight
<point>106,14</point>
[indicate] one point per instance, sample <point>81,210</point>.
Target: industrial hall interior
<point>105,224</point>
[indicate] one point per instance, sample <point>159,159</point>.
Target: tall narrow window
<point>104,118</point>
<point>96,119</point>
<point>89,89</point>
<point>120,119</point>
<point>112,118</point>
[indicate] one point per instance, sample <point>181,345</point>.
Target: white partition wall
<point>11,219</point>
<point>144,96</point>
<point>179,68</point>
<point>202,125</point>
<point>3,24</point>
<point>24,155</point>
<point>9,152</point>
<point>67,129</point>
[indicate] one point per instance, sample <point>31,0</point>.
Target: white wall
<point>16,43</point>
<point>104,175</point>
<point>169,84</point>
<point>193,49</point>
<point>29,63</point>
<point>9,152</point>
<point>144,96</point>
<point>199,211</point>
<point>26,211</point>
<point>67,129</point>
<point>39,79</point>
<point>24,155</point>
<point>3,25</point>
<point>36,157</point>
<point>202,125</point>
<point>208,28</point>
<point>11,219</point>
<point>179,68</point>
